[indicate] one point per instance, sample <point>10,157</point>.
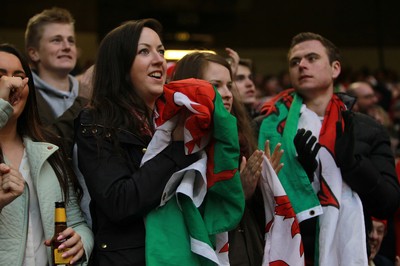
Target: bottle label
<point>58,259</point>
<point>60,215</point>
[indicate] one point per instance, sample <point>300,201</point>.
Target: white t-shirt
<point>35,252</point>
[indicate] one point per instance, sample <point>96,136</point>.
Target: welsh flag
<point>202,202</point>
<point>283,244</point>
<point>280,126</point>
<point>340,231</point>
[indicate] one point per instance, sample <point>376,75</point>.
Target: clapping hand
<point>275,159</point>
<point>250,170</point>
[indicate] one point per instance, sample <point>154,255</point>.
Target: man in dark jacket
<point>52,51</point>
<point>317,130</point>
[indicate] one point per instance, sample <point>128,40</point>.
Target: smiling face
<point>11,67</point>
<point>310,70</point>
<point>56,52</point>
<point>148,71</point>
<point>375,237</point>
<point>219,76</point>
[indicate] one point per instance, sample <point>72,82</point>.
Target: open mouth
<point>156,74</point>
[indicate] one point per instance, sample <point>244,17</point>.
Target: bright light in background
<point>178,54</point>
<point>182,36</point>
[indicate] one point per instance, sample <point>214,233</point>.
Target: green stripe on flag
<point>292,176</point>
<point>226,194</point>
<point>170,244</point>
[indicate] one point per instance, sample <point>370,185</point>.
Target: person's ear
<point>336,68</point>
<point>33,54</point>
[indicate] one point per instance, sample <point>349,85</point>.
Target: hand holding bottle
<point>73,245</point>
<point>66,245</point>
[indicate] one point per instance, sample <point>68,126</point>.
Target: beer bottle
<point>60,224</point>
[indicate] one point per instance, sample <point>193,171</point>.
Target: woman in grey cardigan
<point>33,175</point>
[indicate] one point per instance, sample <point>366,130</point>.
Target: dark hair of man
<point>29,125</point>
<point>331,49</point>
<point>115,101</point>
<point>193,65</point>
<point>247,63</point>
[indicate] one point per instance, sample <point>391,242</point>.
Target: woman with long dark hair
<point>112,135</point>
<point>33,175</point>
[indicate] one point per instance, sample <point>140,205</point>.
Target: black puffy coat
<point>374,176</point>
<point>121,192</point>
